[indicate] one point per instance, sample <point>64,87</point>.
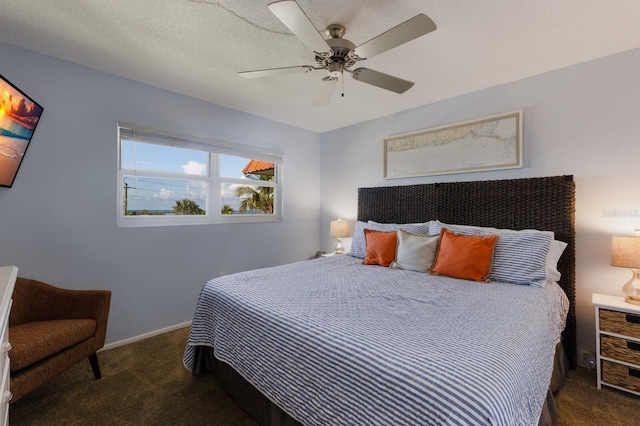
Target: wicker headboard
<point>546,203</point>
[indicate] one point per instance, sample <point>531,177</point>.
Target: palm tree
<point>258,199</point>
<point>186,206</point>
<point>226,209</point>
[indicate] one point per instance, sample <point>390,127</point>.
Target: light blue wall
<point>58,222</point>
<point>581,120</point>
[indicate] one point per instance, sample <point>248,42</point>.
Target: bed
<point>333,341</point>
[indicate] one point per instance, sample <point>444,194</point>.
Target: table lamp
<point>339,229</point>
<point>625,252</point>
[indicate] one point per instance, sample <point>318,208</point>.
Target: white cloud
<point>194,168</point>
<point>196,194</point>
<point>164,193</point>
<point>229,191</point>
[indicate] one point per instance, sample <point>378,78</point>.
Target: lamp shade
<point>339,229</point>
<point>625,251</point>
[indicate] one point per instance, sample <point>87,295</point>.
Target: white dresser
<point>8,275</point>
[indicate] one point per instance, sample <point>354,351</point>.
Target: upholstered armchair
<point>52,329</point>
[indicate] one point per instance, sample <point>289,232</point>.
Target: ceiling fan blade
<point>384,81</point>
<point>325,92</point>
<point>415,27</point>
<point>298,22</point>
<point>276,71</point>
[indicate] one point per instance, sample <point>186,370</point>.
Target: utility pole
<point>126,195</point>
<point>125,200</point>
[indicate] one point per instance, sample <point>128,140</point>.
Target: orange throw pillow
<point>381,247</point>
<point>464,256</point>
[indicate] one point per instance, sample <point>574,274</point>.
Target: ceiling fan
<point>338,55</point>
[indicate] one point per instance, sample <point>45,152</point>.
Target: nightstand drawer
<point>621,375</point>
<point>620,323</point>
<point>620,349</point>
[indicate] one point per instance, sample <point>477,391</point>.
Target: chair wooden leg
<point>93,359</point>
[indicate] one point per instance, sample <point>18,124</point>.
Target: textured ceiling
<point>197,47</point>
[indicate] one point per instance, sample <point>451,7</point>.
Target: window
<point>175,180</point>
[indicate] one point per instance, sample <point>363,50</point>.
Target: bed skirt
<point>258,406</point>
<point>266,413</point>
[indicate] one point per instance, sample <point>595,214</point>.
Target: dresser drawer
<point>621,375</point>
<point>620,323</point>
<point>620,349</point>
<point>5,394</point>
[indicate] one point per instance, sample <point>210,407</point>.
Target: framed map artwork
<point>490,143</point>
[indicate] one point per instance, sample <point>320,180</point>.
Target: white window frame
<point>214,148</point>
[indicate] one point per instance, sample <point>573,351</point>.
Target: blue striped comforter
<point>334,342</point>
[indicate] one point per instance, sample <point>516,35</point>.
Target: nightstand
<point>617,343</point>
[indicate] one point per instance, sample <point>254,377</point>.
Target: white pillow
<point>415,252</point>
<point>555,251</point>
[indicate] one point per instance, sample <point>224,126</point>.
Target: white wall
<point>581,120</point>
<point>58,222</point>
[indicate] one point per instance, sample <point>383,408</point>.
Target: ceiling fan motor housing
<point>339,56</point>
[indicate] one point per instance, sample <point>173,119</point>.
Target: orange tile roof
<point>256,167</point>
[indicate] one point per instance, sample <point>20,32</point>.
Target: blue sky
<point>160,194</point>
<point>177,160</point>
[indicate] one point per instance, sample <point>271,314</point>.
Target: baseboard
<point>134,339</point>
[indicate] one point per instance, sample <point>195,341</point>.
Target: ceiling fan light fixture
<point>335,69</point>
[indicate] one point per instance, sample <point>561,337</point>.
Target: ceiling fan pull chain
<point>342,78</point>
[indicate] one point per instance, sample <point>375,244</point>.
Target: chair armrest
<point>37,301</point>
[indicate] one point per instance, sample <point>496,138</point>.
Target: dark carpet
<point>145,383</point>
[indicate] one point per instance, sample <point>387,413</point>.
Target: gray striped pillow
<point>519,256</point>
<point>359,245</point>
